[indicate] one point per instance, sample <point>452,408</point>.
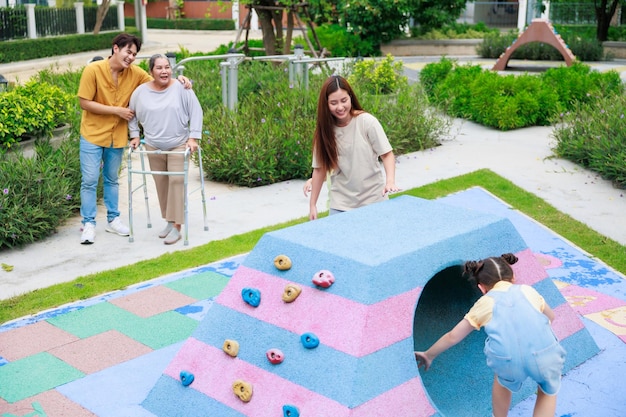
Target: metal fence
<point>13,23</point>
<point>52,21</point>
<point>573,13</point>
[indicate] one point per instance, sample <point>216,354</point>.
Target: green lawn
<point>603,248</point>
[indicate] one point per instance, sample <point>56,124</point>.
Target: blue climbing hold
<point>186,378</point>
<point>309,340</point>
<point>251,296</point>
<point>290,411</point>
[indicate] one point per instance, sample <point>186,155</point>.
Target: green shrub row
<point>185,24</point>
<point>592,134</point>
<point>25,49</point>
<point>34,109</point>
<point>514,101</point>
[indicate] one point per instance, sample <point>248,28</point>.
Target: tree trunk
<point>103,9</point>
<point>267,28</point>
<point>287,48</point>
<point>604,16</point>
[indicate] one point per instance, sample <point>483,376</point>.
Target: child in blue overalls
<point>520,342</point>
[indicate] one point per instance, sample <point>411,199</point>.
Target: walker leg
<point>206,224</point>
<point>131,238</point>
<point>145,191</point>
<point>186,199</point>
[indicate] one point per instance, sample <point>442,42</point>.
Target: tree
<point>605,10</point>
<point>433,14</point>
<point>103,9</point>
<point>377,21</point>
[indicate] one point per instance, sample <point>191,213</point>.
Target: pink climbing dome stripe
<point>214,372</point>
<point>372,327</point>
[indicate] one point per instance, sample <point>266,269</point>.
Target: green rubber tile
<point>92,320</point>
<point>33,375</point>
<point>200,286</point>
<point>159,331</point>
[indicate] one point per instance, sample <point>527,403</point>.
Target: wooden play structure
<point>540,30</point>
<point>293,20</point>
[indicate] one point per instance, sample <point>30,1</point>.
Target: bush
<point>185,24</point>
<point>269,137</point>
<point>511,102</point>
<point>37,194</point>
<point>24,49</point>
<point>33,109</point>
<point>378,77</point>
<point>592,135</point>
<point>341,43</point>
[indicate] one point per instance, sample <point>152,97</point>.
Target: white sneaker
<point>166,230</point>
<point>117,227</point>
<point>89,234</point>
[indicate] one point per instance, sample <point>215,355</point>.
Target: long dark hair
<point>491,270</point>
<point>324,141</point>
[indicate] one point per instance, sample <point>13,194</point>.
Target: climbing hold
<point>242,390</point>
<point>251,296</point>
<point>231,347</point>
<point>186,378</point>
<point>290,411</point>
<point>291,292</point>
<point>275,356</point>
<point>323,278</point>
<point>282,262</point>
<point>309,340</point>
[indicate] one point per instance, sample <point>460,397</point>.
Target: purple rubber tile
<point>101,351</point>
<point>49,403</point>
<point>153,301</point>
<point>29,340</point>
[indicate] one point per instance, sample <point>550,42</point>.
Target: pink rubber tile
<point>50,403</point>
<point>585,301</point>
<point>566,322</point>
<point>101,351</point>
<point>34,338</point>
<point>153,301</point>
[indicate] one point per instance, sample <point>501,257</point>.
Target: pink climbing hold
<point>275,356</point>
<point>323,278</point>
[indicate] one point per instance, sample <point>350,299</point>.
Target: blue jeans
<point>92,157</point>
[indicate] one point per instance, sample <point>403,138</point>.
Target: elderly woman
<point>171,118</point>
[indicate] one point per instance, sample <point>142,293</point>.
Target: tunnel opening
<point>459,381</point>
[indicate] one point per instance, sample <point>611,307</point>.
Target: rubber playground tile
<point>612,319</point>
<point>33,375</point>
<point>47,404</point>
<point>29,340</point>
<point>101,351</point>
<point>200,286</point>
<point>152,301</point>
<point>92,320</point>
<point>123,387</point>
<point>160,330</point>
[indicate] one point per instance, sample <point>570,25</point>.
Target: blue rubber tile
<point>33,375</point>
<point>92,320</point>
<point>200,286</point>
<point>158,331</point>
<point>121,388</point>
